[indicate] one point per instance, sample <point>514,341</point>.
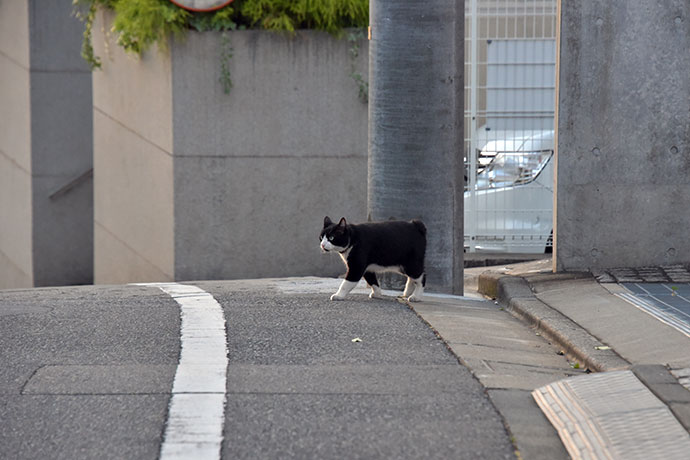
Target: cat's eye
<point>330,238</point>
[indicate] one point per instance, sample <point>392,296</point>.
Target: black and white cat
<point>377,247</point>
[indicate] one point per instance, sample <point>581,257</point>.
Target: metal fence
<point>510,71</point>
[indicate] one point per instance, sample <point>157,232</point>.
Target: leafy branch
<point>353,38</point>
<point>225,56</point>
<point>139,24</point>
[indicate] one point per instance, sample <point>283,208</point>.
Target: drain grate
<point>667,302</point>
<point>661,274</point>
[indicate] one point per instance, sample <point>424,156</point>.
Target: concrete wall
<point>133,165</point>
<point>624,134</point>
<point>45,144</point>
<point>242,180</point>
<point>16,267</point>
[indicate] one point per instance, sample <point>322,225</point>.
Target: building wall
<point>61,147</point>
<point>45,144</point>
<point>192,183</point>
<point>133,164</point>
<point>258,169</point>
<point>16,269</point>
<point>623,184</point>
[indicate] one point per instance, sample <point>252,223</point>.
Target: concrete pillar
<point>416,59</point>
<point>623,179</point>
<point>46,205</point>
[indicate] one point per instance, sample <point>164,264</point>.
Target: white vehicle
<point>509,201</point>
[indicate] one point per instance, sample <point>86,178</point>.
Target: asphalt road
<point>87,372</point>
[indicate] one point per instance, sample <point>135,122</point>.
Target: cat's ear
<point>342,222</point>
<point>327,221</point>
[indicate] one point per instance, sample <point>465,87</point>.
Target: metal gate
<point>510,71</point>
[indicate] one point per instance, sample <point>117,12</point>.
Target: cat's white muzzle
<point>327,246</point>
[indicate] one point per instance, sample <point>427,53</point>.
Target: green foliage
<point>225,56</point>
<point>87,45</point>
<point>85,10</point>
<point>221,20</point>
<point>288,15</point>
<point>353,38</point>
<point>141,23</point>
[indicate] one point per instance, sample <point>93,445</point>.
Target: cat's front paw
<point>414,298</point>
<point>376,293</point>
<point>337,296</point>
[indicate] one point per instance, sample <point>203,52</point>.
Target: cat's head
<point>334,237</point>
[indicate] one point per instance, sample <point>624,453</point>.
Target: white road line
<point>194,428</point>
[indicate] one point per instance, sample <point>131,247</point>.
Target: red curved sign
<point>201,5</point>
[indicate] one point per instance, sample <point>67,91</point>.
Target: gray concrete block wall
<point>62,153</point>
<point>291,97</point>
<point>261,217</point>
<point>623,183</point>
<point>257,170</point>
<point>61,147</point>
<point>16,269</point>
<point>239,183</point>
<point>45,143</point>
<point>133,204</point>
<point>133,164</point>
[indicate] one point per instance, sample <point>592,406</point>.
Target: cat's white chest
<point>343,255</point>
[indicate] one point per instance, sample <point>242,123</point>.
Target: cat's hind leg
<point>418,285</point>
<point>409,287</point>
<point>370,278</point>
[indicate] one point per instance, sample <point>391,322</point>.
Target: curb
<point>515,294</point>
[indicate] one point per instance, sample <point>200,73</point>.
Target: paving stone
<point>683,376</point>
<point>612,415</point>
<point>656,274</point>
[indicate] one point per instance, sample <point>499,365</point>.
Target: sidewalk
<point>632,405</point>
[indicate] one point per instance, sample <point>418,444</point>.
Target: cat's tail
<point>420,226</point>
